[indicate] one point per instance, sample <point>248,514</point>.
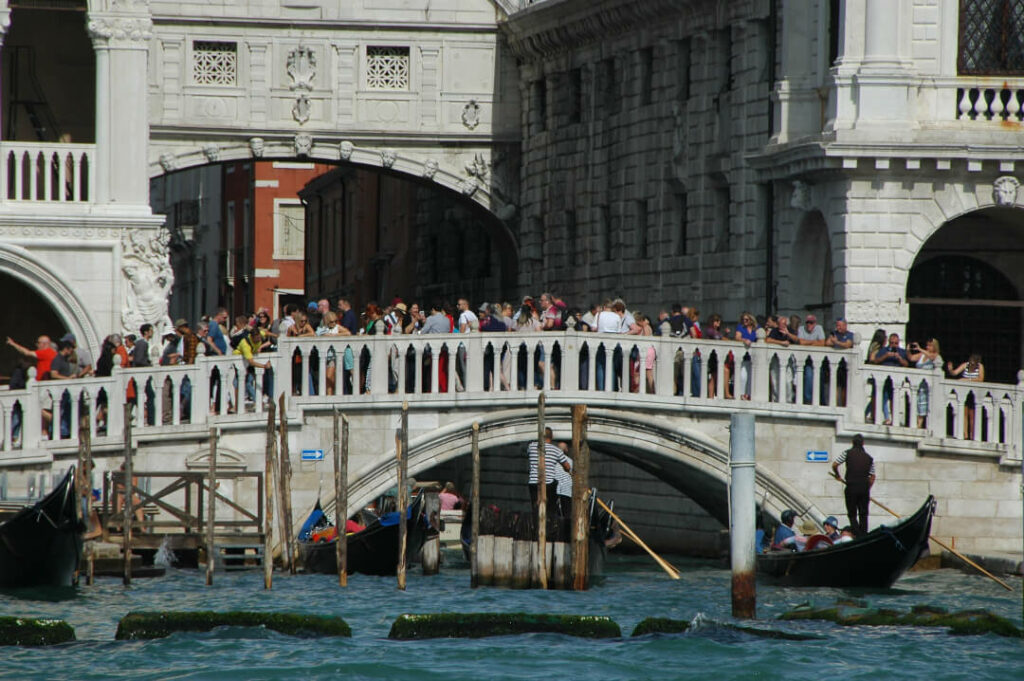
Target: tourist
<point>810,334</point>
<point>81,358</point>
<point>890,355</point>
<point>776,333</point>
<point>414,320</point>
<point>563,492</point>
<point>927,359</point>
<point>860,476</point>
<point>746,333</point>
<point>876,343</point>
<point>785,538</point>
<point>841,338</point>
<point>347,316</point>
<point>650,354</point>
<point>43,355</point>
<point>971,370</point>
<point>450,501</point>
<point>248,348</point>
<point>831,526</point>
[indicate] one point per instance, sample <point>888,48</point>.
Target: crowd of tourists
<point>248,336</point>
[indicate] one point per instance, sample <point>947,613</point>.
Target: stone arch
<point>811,265</point>
<point>475,182</point>
<point>658,445</point>
<point>39,276</point>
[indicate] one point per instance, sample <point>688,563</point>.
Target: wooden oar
<point>665,565</point>
<point>942,544</point>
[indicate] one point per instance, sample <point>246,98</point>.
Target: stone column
<point>884,79</point>
<point>5,23</point>
<point>120,38</point>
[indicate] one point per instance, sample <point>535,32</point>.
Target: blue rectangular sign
<point>814,456</point>
<point>312,455</point>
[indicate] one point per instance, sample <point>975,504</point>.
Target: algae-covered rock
<point>26,631</point>
<point>146,625</point>
<point>963,623</point>
<point>482,624</point>
<point>660,625</point>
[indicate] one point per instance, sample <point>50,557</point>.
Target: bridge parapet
<point>445,371</point>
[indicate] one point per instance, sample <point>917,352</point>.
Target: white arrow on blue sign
<point>814,456</point>
<point>312,455</point>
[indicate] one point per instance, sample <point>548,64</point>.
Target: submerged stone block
<point>147,625</point>
<point>483,624</point>
<point>27,631</point>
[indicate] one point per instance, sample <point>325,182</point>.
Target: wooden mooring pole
<point>580,497</point>
<point>84,488</point>
<point>403,498</point>
<point>127,488</point>
<point>341,496</point>
<point>542,498</point>
<point>286,490</point>
<point>743,512</point>
<point>474,511</point>
<point>211,509</point>
<point>268,500</point>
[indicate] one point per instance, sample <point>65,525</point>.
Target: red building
<point>263,236</point>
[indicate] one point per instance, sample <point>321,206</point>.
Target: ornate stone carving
<point>168,162</point>
<point>345,150</point>
<point>387,157</point>
<point>301,68</point>
<point>469,186</point>
<point>119,29</point>
<point>147,268</point>
<point>300,110</point>
<point>303,144</point>
<point>430,169</point>
<point>801,198</point>
<point>211,152</point>
<point>1004,190</point>
<point>256,146</point>
<point>471,115</point>
<point>478,167</point>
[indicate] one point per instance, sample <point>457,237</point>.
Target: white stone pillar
<point>883,81</point>
<point>120,39</point>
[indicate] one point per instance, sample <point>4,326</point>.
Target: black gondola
<point>875,560</point>
<point>371,551</point>
<point>41,545</point>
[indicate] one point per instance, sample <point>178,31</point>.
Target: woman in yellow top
<point>248,348</point>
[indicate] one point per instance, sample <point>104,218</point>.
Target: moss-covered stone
<point>146,625</point>
<point>660,625</point>
<point>482,624</point>
<point>963,622</point>
<point>26,631</point>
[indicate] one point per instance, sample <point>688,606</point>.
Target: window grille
<point>387,68</point>
<point>991,37</point>
<point>214,63</point>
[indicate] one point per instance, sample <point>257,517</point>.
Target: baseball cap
<point>831,520</point>
<point>311,305</point>
<point>67,338</point>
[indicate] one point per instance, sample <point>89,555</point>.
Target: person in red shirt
<point>43,355</point>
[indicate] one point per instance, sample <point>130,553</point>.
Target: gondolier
<point>553,457</point>
<point>860,476</point>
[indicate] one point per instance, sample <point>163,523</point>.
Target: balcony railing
<point>31,171</point>
<point>497,371</point>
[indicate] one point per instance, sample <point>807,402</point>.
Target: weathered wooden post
<point>403,501</point>
<point>341,498</point>
<point>275,464</point>
<point>84,488</point>
<point>286,490</point>
<point>580,495</point>
<point>268,499</point>
<point>742,514</point>
<point>127,487</point>
<point>211,509</point>
<point>542,497</point>
<point>431,557</point>
<point>474,509</point>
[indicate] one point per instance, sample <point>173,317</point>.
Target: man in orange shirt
<point>43,355</point>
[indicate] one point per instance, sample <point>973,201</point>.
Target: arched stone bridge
<point>671,420</point>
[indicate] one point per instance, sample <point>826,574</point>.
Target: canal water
<point>634,589</point>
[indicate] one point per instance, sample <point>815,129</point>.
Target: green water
<point>633,590</point>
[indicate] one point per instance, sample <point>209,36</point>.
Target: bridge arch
<point>689,460</point>
<point>19,263</point>
<point>475,181</point>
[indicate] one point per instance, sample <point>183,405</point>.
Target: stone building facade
<point>800,157</point>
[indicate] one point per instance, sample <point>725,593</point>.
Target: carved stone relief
<point>345,150</point>
<point>256,146</point>
<point>801,198</point>
<point>387,157</point>
<point>300,110</point>
<point>301,68</point>
<point>211,152</point>
<point>303,144</point>
<point>1004,190</point>
<point>146,266</point>
<point>471,115</point>
<point>430,169</point>
<point>168,162</point>
<point>478,167</point>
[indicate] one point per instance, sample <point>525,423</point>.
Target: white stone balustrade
<point>989,99</point>
<point>39,171</point>
<point>505,370</point>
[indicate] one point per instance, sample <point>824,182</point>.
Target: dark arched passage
<point>24,316</point>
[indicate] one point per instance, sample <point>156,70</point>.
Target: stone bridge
<point>670,420</point>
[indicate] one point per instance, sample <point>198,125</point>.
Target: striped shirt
<point>564,479</point>
<point>553,458</point>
